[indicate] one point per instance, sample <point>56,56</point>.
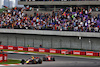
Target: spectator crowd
<point>62,20</point>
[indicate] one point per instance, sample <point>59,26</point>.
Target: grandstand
<point>64,20</point>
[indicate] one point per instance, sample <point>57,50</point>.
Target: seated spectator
<point>63,20</point>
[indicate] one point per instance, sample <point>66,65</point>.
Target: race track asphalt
<point>61,61</point>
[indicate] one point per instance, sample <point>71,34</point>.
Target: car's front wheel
<point>22,61</point>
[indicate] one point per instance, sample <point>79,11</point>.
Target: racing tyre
<point>53,59</point>
<point>33,61</point>
<point>47,59</point>
<point>22,61</point>
<point>44,59</point>
<point>40,61</point>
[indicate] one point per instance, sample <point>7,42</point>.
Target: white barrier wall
<point>50,41</point>
<point>47,32</point>
<point>61,40</point>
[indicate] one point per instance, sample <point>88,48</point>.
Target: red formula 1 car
<point>48,58</point>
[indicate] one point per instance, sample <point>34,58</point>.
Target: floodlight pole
<point>80,38</point>
<point>90,44</point>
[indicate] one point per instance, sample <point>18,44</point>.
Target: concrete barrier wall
<point>49,41</point>
<point>47,32</point>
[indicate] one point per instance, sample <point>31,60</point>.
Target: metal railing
<point>46,9</point>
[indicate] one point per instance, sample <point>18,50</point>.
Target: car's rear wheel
<point>44,59</point>
<point>40,61</point>
<point>53,59</point>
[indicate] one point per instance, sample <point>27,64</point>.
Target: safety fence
<point>50,50</point>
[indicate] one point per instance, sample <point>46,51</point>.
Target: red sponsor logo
<point>1,46</point>
<point>89,53</point>
<point>52,50</point>
<point>10,47</point>
<point>20,48</point>
<point>30,49</point>
<point>63,51</point>
<point>41,49</point>
<point>76,52</point>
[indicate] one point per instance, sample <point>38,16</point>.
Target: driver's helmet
<point>32,57</point>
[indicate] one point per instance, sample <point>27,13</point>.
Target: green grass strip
<point>10,61</point>
<point>77,49</point>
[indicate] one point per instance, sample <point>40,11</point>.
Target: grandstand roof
<point>59,3</point>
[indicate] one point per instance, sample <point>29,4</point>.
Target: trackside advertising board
<point>5,57</point>
<point>1,57</point>
<point>10,47</point>
<point>76,52</point>
<point>20,48</point>
<point>63,51</point>
<point>30,48</point>
<point>52,50</point>
<point>42,50</point>
<point>1,46</point>
<point>89,53</point>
